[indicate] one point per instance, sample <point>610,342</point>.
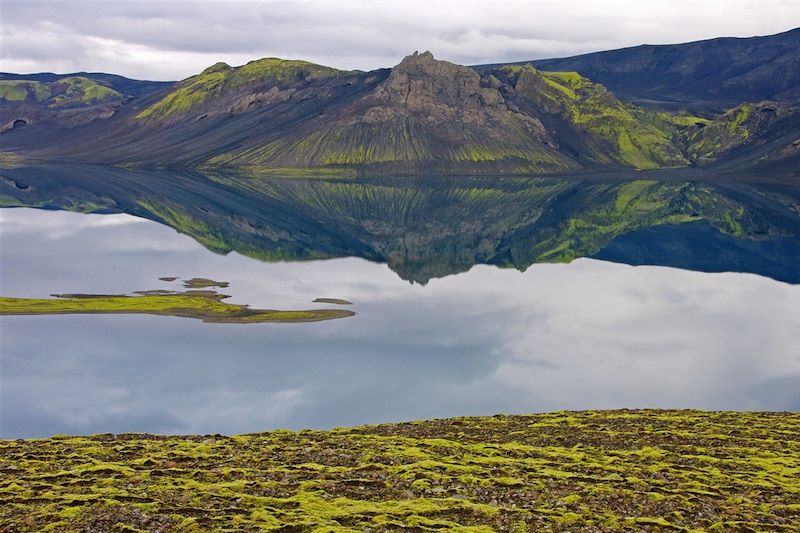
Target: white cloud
<point>171,40</point>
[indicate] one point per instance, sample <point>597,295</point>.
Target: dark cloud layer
<point>169,40</point>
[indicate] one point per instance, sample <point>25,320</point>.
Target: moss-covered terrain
<point>615,132</point>
<point>221,78</point>
<point>206,305</point>
<point>421,117</point>
<point>73,90</point>
<point>745,127</point>
<point>568,471</point>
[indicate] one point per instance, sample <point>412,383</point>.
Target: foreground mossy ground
<point>568,471</point>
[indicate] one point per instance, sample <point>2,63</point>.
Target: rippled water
<point>589,334</point>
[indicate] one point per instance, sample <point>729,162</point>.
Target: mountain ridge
<point>421,116</point>
<point>710,75</point>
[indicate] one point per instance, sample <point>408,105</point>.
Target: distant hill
<point>68,100</point>
<point>710,75</point>
<point>121,84</point>
<point>426,116</point>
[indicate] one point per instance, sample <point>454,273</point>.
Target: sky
<point>168,40</point>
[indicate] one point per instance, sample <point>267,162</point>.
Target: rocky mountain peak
<point>422,83</point>
<point>416,58</point>
<point>425,64</point>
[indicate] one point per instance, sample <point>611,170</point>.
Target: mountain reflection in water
<point>434,227</point>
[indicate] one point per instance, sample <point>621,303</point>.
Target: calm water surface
<point>589,334</point>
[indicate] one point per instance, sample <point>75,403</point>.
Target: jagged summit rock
<point>440,88</point>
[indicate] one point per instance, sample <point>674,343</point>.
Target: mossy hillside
<point>401,141</point>
<point>221,78</point>
<point>21,90</point>
<point>63,92</point>
<point>426,114</point>
<point>744,124</point>
<point>617,133</point>
<point>84,90</point>
<point>593,470</point>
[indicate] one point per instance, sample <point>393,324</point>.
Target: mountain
<point>762,137</point>
<point>421,117</point>
<point>121,84</point>
<point>65,100</point>
<point>711,75</point>
<point>427,227</point>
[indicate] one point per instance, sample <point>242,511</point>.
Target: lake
<point>468,339</point>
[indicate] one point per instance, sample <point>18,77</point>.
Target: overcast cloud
<point>175,39</point>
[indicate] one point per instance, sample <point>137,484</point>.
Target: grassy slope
<point>611,470</point>
<point>220,78</point>
<point>19,90</point>
<point>401,141</point>
<point>207,307</point>
<point>746,126</point>
<point>65,91</point>
<point>621,133</point>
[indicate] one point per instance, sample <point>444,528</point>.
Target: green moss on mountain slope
<point>618,133</point>
<point>423,116</point>
<point>84,90</point>
<point>398,141</point>
<point>744,124</point>
<point>278,69</point>
<point>565,471</point>
<point>21,90</point>
<point>426,114</point>
<point>220,78</point>
<point>59,93</point>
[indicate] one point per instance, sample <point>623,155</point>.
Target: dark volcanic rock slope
<point>421,117</point>
<point>715,74</point>
<point>426,112</point>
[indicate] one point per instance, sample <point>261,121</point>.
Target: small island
<point>335,301</point>
<point>206,305</point>
<point>204,283</point>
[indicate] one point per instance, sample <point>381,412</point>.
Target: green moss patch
<point>567,471</point>
<point>62,92</point>
<point>616,132</point>
<point>205,305</point>
<point>220,78</point>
